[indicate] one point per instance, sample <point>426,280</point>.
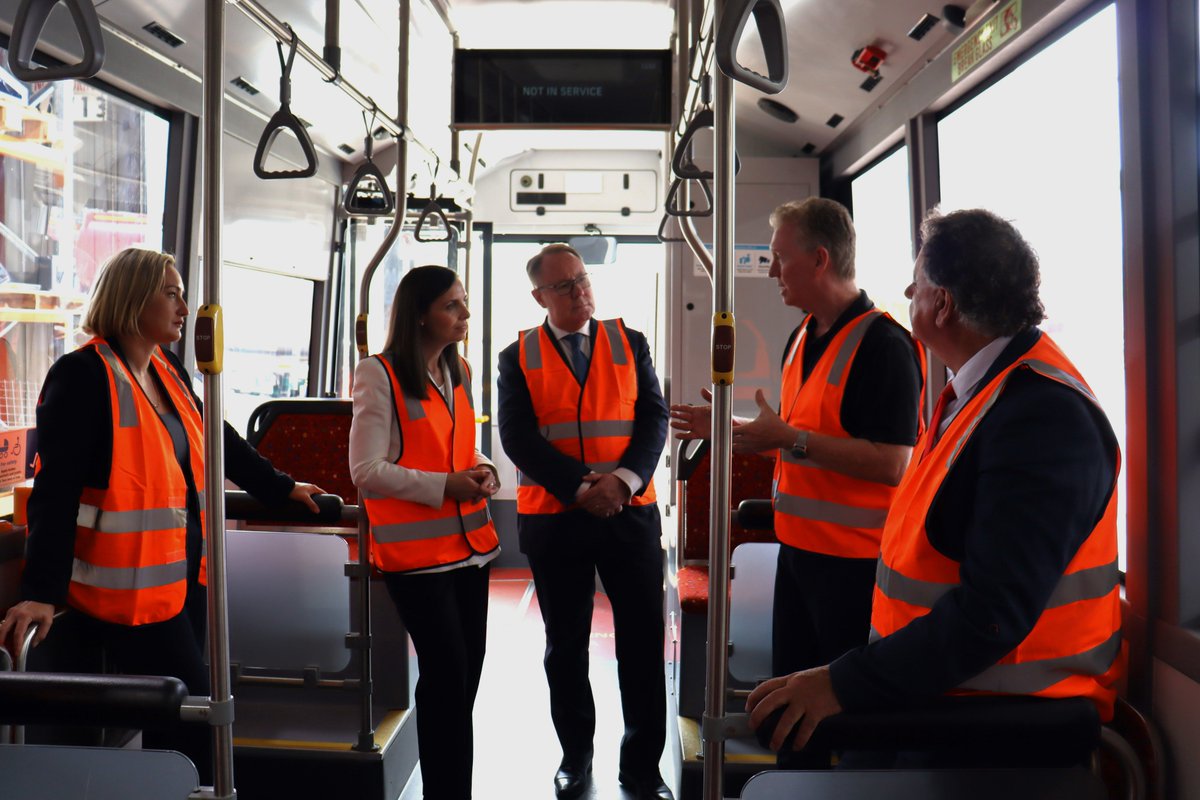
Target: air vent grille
<point>924,25</point>
<point>345,148</point>
<point>834,121</point>
<point>870,83</point>
<point>245,85</point>
<point>162,34</point>
<point>808,148</point>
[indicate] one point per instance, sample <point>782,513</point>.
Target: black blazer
<point>561,474</point>
<point>74,440</point>
<point>1024,494</point>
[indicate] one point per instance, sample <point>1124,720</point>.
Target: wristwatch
<point>800,448</point>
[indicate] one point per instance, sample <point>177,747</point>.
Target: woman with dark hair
<point>116,529</point>
<point>425,487</point>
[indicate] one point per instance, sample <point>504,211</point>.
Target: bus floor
<point>516,750</point>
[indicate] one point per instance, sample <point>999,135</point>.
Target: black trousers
<point>626,553</point>
<point>161,648</point>
<point>446,616</point>
<point>822,609</point>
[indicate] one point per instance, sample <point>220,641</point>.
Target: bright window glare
<point>1054,170</point>
<point>883,258</point>
<point>267,324</point>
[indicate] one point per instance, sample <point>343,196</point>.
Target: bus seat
<point>750,477</point>
<point>41,772</point>
<point>308,438</point>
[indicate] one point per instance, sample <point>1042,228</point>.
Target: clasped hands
<point>471,485</point>
<point>606,496</point>
<point>765,432</point>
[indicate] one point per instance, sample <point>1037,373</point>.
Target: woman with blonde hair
<point>116,521</point>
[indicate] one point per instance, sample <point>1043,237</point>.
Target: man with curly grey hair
<point>998,567</point>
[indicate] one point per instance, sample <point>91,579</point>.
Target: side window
<point>883,259</point>
<point>1061,189</point>
<point>82,176</point>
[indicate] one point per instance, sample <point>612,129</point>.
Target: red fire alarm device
<point>868,59</point>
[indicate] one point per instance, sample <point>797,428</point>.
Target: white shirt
<point>627,476</point>
<point>968,377</point>
<point>375,446</point>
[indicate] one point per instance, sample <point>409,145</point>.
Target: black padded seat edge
<point>124,701</point>
<point>1021,728</point>
<point>240,505</point>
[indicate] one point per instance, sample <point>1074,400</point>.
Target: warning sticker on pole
<point>984,41</point>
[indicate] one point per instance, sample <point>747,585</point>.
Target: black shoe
<point>571,781</point>
<point>652,787</point>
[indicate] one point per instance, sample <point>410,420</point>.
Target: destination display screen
<point>593,88</point>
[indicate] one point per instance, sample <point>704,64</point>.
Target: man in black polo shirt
<point>843,435</point>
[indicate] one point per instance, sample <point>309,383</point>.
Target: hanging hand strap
<point>284,119</point>
<point>27,31</point>
<point>432,209</point>
<point>768,16</point>
<point>673,211</point>
<point>368,194</point>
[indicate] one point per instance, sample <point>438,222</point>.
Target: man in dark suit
<point>583,419</point>
<point>998,568</point>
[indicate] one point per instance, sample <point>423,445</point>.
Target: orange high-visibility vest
<point>1074,649</point>
<point>590,421</point>
<point>131,538</point>
<point>818,509</point>
<point>407,536</point>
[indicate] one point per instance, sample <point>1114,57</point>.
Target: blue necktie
<point>578,360</point>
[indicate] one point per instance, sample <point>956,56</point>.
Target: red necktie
<point>944,399</point>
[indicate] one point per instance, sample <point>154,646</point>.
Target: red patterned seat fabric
<point>313,448</point>
<point>750,479</point>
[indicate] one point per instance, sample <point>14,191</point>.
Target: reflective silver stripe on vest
<point>466,385</point>
<point>150,519</point>
<point>1042,368</point>
<point>825,511</point>
<point>615,342</point>
<point>166,365</point>
<point>525,480</point>
<point>429,529</point>
<point>368,494</point>
<point>126,406</point>
<point>875,635</point>
<point>1086,584</point>
<point>1051,371</point>
<point>913,591</point>
<point>130,578</point>
<point>533,349</point>
<point>851,342</point>
<point>796,343</point>
<point>1031,677</point>
<point>413,407</point>
<point>588,430</point>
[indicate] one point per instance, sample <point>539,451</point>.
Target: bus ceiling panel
<point>827,91</point>
<point>564,24</point>
<point>369,36</point>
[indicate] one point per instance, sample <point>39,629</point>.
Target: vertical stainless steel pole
<point>366,734</point>
<point>221,699</point>
<point>722,430</point>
